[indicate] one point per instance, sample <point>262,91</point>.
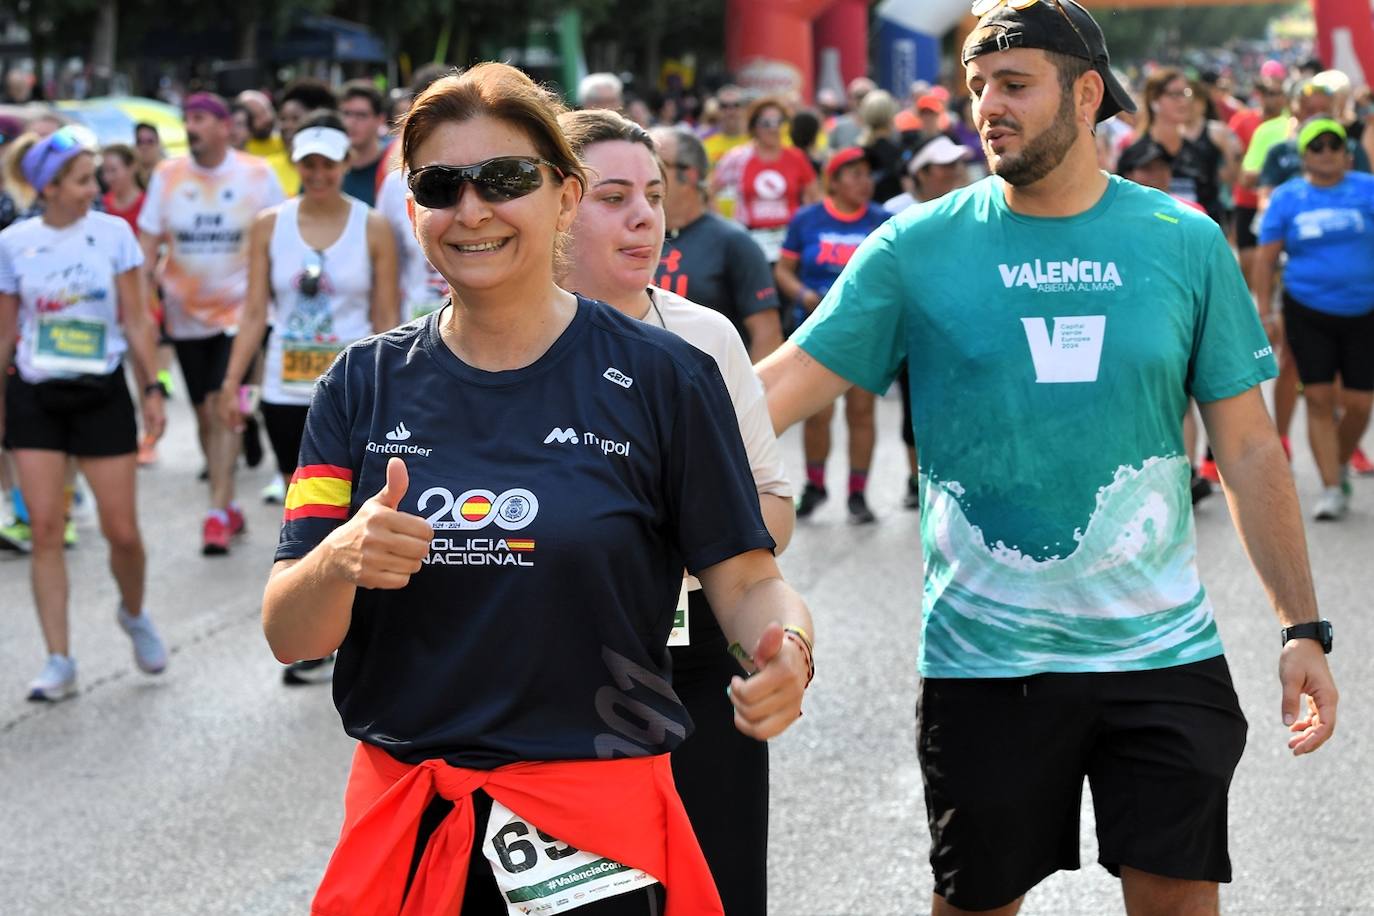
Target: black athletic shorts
<point>721,774</point>
<point>285,428</point>
<point>1245,228</point>
<point>89,417</point>
<point>1003,761</point>
<point>203,364</point>
<point>482,896</point>
<point>1326,346</point>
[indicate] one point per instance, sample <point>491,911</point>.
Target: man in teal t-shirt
<point>1066,633</point>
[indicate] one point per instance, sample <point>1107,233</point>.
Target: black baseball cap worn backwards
<point>1049,25</point>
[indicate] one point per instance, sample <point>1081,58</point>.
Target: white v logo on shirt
<point>1072,353</point>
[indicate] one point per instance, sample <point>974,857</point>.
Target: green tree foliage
<point>1135,36</point>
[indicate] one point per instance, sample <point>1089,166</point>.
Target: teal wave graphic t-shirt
<point>1051,363</point>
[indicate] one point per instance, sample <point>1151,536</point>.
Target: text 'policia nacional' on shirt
<point>566,498</point>
<point>1049,376</point>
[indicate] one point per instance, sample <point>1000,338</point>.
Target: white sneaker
<point>275,492</point>
<point>149,653</point>
<point>1331,505</point>
<point>56,682</point>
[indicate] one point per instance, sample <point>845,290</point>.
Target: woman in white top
<point>326,264</point>
<point>617,238</point>
<point>72,299</point>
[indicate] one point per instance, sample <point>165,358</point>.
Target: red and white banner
<point>1345,37</point>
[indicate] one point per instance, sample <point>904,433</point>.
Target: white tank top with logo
<point>321,303</point>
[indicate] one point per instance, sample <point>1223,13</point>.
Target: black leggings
<point>285,428</point>
<point>721,774</point>
<point>482,897</point>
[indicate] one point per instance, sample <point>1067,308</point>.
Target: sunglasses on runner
<point>311,275</point>
<point>1327,143</point>
<point>438,187</point>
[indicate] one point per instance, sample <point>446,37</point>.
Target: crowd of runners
<point>637,303</point>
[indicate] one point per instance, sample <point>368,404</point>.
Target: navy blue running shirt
<point>566,498</point>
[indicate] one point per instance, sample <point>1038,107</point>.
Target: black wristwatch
<point>1320,631</point>
<point>154,387</point>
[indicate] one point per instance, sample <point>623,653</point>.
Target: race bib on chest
<point>680,635</point>
<point>770,240</point>
<point>70,345</point>
<point>537,874</point>
<point>302,363</point>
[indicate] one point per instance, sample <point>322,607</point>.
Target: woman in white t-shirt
<point>326,265</point>
<point>72,303</point>
<point>617,238</point>
<point>423,289</point>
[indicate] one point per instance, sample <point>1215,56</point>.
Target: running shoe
<point>912,500</point>
<point>164,376</point>
<point>812,496</point>
<point>1287,448</point>
<point>237,523</point>
<point>1331,505</point>
<point>56,681</point>
<point>275,492</point>
<point>252,443</point>
<point>1209,471</point>
<point>70,537</point>
<point>204,474</point>
<point>18,536</point>
<point>149,653</point>
<point>859,513</point>
<point>1360,464</point>
<point>214,537</point>
<point>309,671</point>
<point>1202,488</point>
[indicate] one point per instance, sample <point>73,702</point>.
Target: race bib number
<point>770,240</point>
<point>538,874</point>
<point>70,345</point>
<point>680,635</point>
<point>302,363</point>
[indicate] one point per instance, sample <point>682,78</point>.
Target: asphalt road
<point>214,790</point>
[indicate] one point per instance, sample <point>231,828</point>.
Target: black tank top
<point>1197,173</point>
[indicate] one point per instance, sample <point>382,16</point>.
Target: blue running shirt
<point>823,239</point>
<point>1329,236</point>
<point>566,498</point>
<point>1049,376</point>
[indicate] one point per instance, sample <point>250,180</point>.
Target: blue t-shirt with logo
<point>566,498</point>
<point>823,238</point>
<point>1049,376</point>
<point>1329,236</point>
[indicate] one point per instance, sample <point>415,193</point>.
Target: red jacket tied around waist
<point>626,810</point>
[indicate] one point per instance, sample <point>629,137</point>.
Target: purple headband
<point>46,158</point>
<point>207,102</point>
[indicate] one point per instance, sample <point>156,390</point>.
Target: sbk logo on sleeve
<point>1068,349</point>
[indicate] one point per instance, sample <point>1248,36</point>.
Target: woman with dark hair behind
<point>721,773</point>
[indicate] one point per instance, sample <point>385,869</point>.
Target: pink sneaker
<point>237,524</point>
<point>214,537</point>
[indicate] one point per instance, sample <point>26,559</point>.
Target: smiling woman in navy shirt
<point>490,522</point>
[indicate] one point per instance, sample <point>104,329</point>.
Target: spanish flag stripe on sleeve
<point>319,491</point>
<point>335,512</point>
<point>307,471</point>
